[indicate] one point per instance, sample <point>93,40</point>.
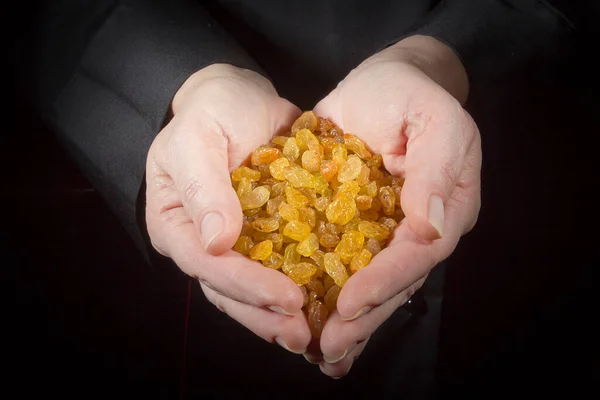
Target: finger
<point>340,337</point>
<point>330,106</point>
<point>434,161</point>
<point>245,136</point>
<point>341,368</point>
<point>233,274</point>
<point>290,332</point>
<point>407,258</point>
<point>313,352</point>
<point>197,162</point>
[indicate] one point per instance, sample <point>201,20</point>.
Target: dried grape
<point>318,206</point>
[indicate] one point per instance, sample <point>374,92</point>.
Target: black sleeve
<point>103,73</point>
<point>494,36</point>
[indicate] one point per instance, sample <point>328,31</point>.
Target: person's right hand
<point>220,115</point>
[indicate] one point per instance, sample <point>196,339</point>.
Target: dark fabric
<point>225,361</point>
<point>493,38</point>
<point>102,73</point>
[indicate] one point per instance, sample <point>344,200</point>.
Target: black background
<point>86,317</point>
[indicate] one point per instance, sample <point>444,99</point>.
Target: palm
<point>425,136</point>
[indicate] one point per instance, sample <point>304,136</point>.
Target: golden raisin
<point>256,198</point>
<point>350,169</point>
<point>290,255</point>
<point>316,286</point>
<point>299,178</point>
<point>274,260</point>
<point>342,209</point>
<point>265,224</point>
<point>291,149</point>
<point>278,167</point>
<point>245,172</point>
<point>288,212</point>
<point>317,315</point>
<point>308,246</point>
<point>306,139</point>
<point>311,161</point>
<point>388,199</point>
<point>335,269</point>
<point>373,246</point>
<point>360,260</point>
<point>308,120</point>
<point>261,250</point>
<point>374,230</point>
<point>295,197</point>
<point>349,245</point>
<point>328,169</point>
<point>328,282</point>
<point>317,205</point>
<point>331,297</point>
<point>300,272</point>
<point>297,230</point>
<point>357,146</point>
<point>363,202</point>
<point>305,296</point>
<point>309,216</point>
<point>243,245</point>
<point>265,155</point>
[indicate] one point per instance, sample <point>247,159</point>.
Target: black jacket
<point>102,73</point>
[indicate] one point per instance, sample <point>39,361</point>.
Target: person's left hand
<point>405,103</point>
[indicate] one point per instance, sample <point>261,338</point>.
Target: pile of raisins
<point>318,205</point>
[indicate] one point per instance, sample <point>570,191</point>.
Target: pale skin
<point>404,102</point>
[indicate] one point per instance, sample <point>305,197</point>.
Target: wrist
<point>438,61</point>
<point>195,80</point>
<point>211,73</point>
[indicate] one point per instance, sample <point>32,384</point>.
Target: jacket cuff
<point>492,37</point>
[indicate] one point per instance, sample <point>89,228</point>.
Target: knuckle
<point>213,297</point>
<point>156,240</point>
<point>475,218</point>
<point>449,175</point>
<point>283,326</point>
<point>207,284</point>
<point>219,303</point>
<point>258,297</point>
<point>159,249</point>
<point>174,218</point>
<point>193,191</point>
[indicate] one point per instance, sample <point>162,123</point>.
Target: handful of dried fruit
<point>318,205</point>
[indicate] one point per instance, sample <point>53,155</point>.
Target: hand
<point>220,115</point>
<point>405,103</point>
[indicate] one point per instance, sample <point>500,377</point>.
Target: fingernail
<point>360,312</point>
<point>322,366</point>
<point>436,213</point>
<point>285,346</point>
<point>333,360</point>
<point>350,367</point>
<point>346,373</point>
<point>211,227</point>
<point>279,310</point>
<point>311,359</point>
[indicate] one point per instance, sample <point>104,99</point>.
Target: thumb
<point>434,160</point>
<point>199,169</point>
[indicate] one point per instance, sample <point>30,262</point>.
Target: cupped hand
<point>405,103</point>
<point>220,115</point>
